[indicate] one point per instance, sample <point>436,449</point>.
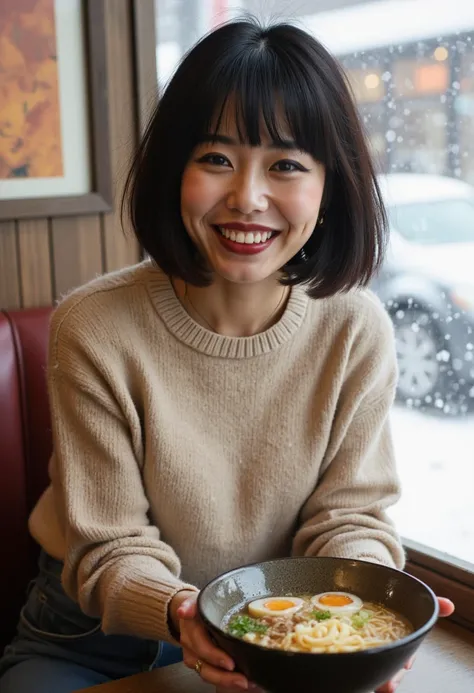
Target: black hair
<point>259,67</point>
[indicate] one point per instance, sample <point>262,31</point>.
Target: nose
<point>248,193</point>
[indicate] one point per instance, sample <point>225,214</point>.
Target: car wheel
<point>418,343</point>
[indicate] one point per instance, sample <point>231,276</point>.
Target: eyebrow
<point>223,139</point>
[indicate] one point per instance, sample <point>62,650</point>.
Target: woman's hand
<point>216,666</point>
<point>446,608</point>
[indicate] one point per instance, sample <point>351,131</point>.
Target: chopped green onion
<point>242,624</point>
<point>359,620</point>
<point>320,615</point>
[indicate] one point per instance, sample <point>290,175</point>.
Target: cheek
<point>301,205</point>
<point>198,194</point>
<point>191,193</point>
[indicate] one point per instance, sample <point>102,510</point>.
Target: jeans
<point>58,649</point>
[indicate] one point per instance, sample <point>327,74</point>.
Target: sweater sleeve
<point>117,567</point>
<point>345,516</point>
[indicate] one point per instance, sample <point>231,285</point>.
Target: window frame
<point>447,576</point>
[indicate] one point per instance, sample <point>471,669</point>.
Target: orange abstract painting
<point>30,123</point>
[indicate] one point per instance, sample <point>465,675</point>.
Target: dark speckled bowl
<point>286,672</point>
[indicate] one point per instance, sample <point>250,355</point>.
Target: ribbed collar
<point>188,331</point>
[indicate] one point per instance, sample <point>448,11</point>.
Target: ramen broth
<point>327,623</point>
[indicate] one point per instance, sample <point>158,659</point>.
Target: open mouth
<point>246,237</point>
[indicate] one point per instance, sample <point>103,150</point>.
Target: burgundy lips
<point>245,248</point>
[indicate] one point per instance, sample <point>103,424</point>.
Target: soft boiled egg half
<point>274,606</point>
<point>337,603</point>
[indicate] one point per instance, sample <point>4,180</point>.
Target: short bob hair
<point>255,66</point>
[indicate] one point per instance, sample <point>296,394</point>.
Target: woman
<point>226,400</point>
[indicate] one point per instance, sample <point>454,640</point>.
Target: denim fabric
<point>58,649</point>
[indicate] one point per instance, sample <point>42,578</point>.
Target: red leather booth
<point>25,448</point>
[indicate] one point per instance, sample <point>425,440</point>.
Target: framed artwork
<point>54,141</point>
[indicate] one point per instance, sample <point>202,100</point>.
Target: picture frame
<point>93,150</point>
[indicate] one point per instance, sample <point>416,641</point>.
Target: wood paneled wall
<point>42,259</point>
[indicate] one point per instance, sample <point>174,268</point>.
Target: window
<point>180,23</point>
<point>440,222</point>
<point>421,127</point>
<point>370,89</point>
<point>465,112</point>
<point>412,74</point>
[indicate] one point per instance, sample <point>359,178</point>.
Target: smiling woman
<point>249,331</point>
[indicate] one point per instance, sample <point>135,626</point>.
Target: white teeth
<point>248,238</point>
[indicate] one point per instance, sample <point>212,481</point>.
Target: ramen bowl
<point>279,671</point>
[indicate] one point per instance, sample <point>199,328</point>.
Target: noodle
<point>302,632</point>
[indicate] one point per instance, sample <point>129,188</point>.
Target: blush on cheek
<point>191,201</point>
<point>194,194</point>
<point>191,197</point>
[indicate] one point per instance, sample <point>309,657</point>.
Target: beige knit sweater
<point>180,453</point>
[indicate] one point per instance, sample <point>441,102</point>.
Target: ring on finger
<point>198,667</point>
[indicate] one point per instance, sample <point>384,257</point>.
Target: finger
<point>410,663</point>
<point>195,638</point>
<point>392,685</point>
<point>189,658</point>
<point>386,688</point>
<point>225,680</point>
<point>446,607</point>
<point>188,609</point>
<point>398,678</point>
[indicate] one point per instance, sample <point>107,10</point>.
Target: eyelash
<point>211,159</point>
<point>295,164</point>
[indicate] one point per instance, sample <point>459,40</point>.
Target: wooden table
<point>445,664</point>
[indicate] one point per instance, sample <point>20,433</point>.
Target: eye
<point>288,166</point>
<point>214,159</point>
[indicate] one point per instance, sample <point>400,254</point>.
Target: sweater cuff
<point>143,606</point>
<point>369,550</point>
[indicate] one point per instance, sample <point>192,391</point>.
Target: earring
<point>303,255</point>
<point>321,220</point>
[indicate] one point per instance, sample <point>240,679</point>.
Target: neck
<point>234,310</point>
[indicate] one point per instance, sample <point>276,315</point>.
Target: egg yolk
<point>335,600</point>
<point>279,605</point>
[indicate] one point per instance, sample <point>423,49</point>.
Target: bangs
<point>265,95</point>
